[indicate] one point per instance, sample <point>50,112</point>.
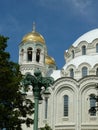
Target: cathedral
<point>75,85</point>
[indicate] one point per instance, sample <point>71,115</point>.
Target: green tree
<point>15,108</point>
<point>47,127</point>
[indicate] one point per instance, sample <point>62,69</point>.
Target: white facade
<point>68,106</point>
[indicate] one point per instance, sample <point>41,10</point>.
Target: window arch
<point>97,47</point>
<point>29,54</point>
<point>38,55</point>
<point>46,107</point>
<point>66,101</point>
<point>72,73</point>
<point>97,71</point>
<point>22,54</point>
<point>27,73</point>
<point>92,104</point>
<point>73,54</point>
<point>84,71</point>
<point>84,50</point>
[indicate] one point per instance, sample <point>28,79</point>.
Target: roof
<point>88,37</point>
<point>89,59</point>
<point>33,36</point>
<point>56,74</point>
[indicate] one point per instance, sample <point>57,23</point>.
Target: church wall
<point>78,92</point>
<point>64,87</point>
<point>90,49</point>
<point>87,87</point>
<point>77,89</point>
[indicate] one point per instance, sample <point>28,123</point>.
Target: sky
<point>60,22</point>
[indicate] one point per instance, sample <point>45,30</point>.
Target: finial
<point>34,27</point>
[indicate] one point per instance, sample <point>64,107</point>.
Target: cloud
<point>85,9</point>
<point>53,4</point>
<point>83,3</point>
<point>82,6</point>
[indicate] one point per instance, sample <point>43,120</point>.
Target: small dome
<point>49,60</point>
<point>33,36</point>
<point>88,37</point>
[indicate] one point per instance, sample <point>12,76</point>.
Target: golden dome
<point>33,36</point>
<point>49,60</point>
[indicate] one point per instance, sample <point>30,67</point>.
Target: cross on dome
<point>34,27</point>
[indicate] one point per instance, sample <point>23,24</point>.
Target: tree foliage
<point>15,108</point>
<point>47,127</point>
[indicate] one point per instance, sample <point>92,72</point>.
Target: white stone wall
<point>90,49</point>
<point>79,117</point>
<point>80,60</point>
<point>30,66</point>
<point>78,89</point>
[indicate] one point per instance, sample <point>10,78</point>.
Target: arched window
<point>97,71</point>
<point>84,50</point>
<point>92,105</point>
<point>73,54</point>
<point>46,107</point>
<point>66,105</point>
<point>29,54</point>
<point>38,55</point>
<point>22,54</point>
<point>84,71</point>
<point>72,73</point>
<point>97,47</point>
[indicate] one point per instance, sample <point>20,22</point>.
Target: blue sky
<point>60,22</point>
